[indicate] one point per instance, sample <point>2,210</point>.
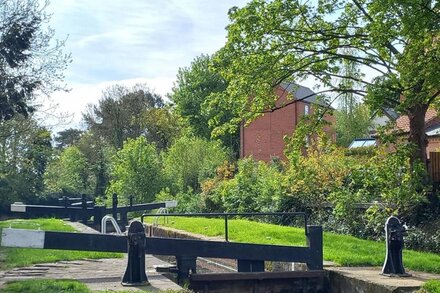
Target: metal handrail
<point>161,211</point>
<point>226,215</point>
<point>114,223</point>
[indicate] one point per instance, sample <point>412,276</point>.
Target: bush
<point>257,187</point>
<point>187,202</point>
<point>136,170</point>
<point>69,173</point>
<point>191,160</point>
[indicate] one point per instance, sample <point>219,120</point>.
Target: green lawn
<point>56,286</point>
<point>46,286</point>
<point>342,249</point>
<point>17,257</point>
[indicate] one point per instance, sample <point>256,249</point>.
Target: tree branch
<point>387,43</point>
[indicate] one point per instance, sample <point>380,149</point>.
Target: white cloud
<point>136,41</point>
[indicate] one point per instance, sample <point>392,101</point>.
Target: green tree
<point>190,160</point>
<point>162,126</point>
<point>25,149</point>
<point>352,117</point>
<point>98,154</point>
<point>352,122</point>
<point>270,42</point>
<point>120,113</point>
<point>69,173</point>
<point>136,171</point>
<point>191,95</point>
<point>68,137</point>
<point>30,61</point>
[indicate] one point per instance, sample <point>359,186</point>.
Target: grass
<point>344,250</point>
<point>432,286</point>
<point>18,257</point>
<point>47,286</point>
<point>55,286</point>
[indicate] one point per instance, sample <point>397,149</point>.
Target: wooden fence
<point>434,167</point>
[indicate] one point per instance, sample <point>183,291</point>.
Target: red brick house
<point>432,129</point>
<point>263,138</point>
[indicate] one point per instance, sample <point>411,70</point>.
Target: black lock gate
<point>250,257</point>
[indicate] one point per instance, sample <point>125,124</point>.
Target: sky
<point>129,42</point>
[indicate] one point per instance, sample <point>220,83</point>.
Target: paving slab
<point>370,277</point>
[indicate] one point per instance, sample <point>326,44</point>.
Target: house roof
<point>432,120</point>
<point>303,93</point>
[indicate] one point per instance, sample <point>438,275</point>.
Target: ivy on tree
<point>270,42</point>
<point>30,62</point>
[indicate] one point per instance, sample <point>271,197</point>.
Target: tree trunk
<point>417,134</point>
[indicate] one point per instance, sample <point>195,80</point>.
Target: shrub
<point>69,173</point>
<point>191,160</point>
<point>187,202</point>
<point>136,170</point>
<point>257,187</point>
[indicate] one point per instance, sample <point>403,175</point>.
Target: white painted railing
<point>114,223</point>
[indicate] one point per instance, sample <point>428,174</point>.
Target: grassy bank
<point>342,249</point>
<point>17,257</point>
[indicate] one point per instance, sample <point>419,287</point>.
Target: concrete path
<point>370,278</point>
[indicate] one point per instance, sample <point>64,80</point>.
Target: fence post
<point>84,209</point>
<point>185,266</point>
<point>226,229</point>
<point>115,206</point>
<point>99,212</point>
<point>314,242</point>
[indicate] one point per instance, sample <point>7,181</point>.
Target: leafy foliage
<point>352,124</point>
<point>192,97</point>
<point>69,173</point>
<point>30,60</point>
<point>25,150</point>
<point>136,171</point>
<point>276,41</point>
<point>68,137</point>
<point>162,126</point>
<point>119,113</point>
<point>256,187</point>
<point>98,154</point>
<point>190,160</point>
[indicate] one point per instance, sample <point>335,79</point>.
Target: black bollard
<point>135,272</point>
<point>394,232</point>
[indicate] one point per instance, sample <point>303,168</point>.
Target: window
<point>306,109</point>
